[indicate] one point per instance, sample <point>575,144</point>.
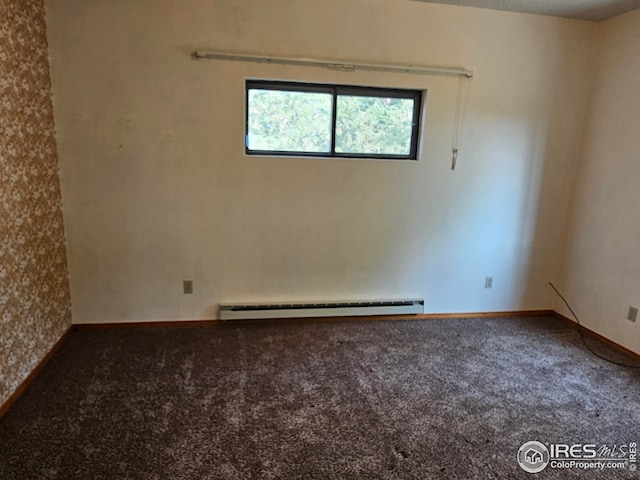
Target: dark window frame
<point>337,90</point>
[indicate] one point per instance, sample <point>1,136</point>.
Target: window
<point>299,119</point>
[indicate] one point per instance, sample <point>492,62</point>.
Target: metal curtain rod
<point>332,65</point>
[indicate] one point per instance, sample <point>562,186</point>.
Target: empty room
<point>300,239</point>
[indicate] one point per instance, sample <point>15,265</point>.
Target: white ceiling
<point>581,9</point>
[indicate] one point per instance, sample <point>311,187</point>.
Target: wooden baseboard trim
<point>152,324</point>
<point>516,313</point>
<point>4,408</point>
<point>602,338</point>
<point>212,322</point>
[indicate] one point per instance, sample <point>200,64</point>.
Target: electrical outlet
<point>633,314</point>
<point>488,282</point>
<point>187,286</point>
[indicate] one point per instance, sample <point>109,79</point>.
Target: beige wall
<point>35,308</point>
<point>603,259</point>
<point>157,189</point>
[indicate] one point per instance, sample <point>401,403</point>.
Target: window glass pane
<point>289,121</point>
<point>374,125</point>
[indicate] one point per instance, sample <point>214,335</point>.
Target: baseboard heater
<point>321,309</point>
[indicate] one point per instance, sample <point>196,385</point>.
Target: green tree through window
<point>331,120</point>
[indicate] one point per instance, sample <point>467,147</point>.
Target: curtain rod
<point>332,65</point>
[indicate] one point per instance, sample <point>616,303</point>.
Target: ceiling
<point>581,9</point>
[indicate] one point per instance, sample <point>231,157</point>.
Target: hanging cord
<point>461,109</point>
<point>580,328</point>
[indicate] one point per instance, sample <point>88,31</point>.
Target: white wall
<point>603,258</point>
<point>157,189</point>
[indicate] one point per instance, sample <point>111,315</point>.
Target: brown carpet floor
<point>420,399</point>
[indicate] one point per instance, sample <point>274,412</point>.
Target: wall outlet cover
<point>187,286</point>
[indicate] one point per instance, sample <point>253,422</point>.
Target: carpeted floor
<point>450,399</point>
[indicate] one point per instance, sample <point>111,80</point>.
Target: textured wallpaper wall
<point>35,307</point>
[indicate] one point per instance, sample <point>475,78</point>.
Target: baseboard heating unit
<point>321,309</point>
